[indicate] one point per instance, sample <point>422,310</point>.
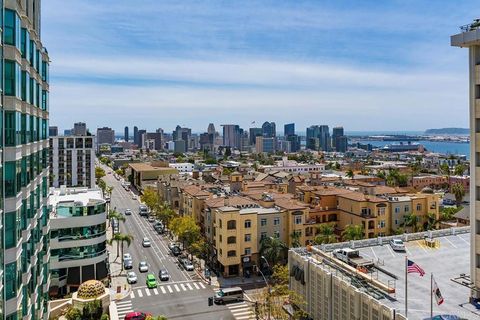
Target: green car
<point>151,281</point>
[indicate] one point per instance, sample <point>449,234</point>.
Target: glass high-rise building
<point>24,272</point>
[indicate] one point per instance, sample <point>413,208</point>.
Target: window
<point>231,240</point>
<point>10,230</point>
<point>407,208</point>
<point>11,281</point>
<point>248,224</point>
<point>248,237</point>
<point>10,179</point>
<point>248,251</point>
<point>232,253</point>
<point>397,210</point>
<point>263,235</point>
<point>276,221</point>
<point>298,219</point>
<point>419,207</point>
<point>219,221</point>
<point>382,224</point>
<point>25,89</point>
<point>381,211</point>
<point>11,24</point>
<point>276,234</point>
<point>45,71</point>
<point>221,252</point>
<point>10,72</point>
<point>25,43</point>
<point>396,221</point>
<point>231,225</point>
<point>263,222</point>
<point>220,238</point>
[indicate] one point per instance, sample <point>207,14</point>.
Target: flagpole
<point>431,296</point>
<point>406,287</point>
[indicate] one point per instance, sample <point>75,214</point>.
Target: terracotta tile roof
<point>329,191</point>
<point>289,204</point>
<point>358,196</point>
<point>196,191</point>
<point>232,202</point>
<point>388,190</point>
<point>148,167</point>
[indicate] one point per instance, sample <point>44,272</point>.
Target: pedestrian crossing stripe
<point>165,289</point>
<point>241,311</point>
<point>124,307</point>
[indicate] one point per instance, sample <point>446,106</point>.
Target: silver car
<point>187,264</point>
<point>131,277</point>
<point>146,242</point>
<point>143,266</point>
<point>397,245</point>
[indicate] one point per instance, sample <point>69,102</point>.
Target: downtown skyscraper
<point>25,224</point>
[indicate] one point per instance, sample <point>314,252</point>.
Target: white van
<point>228,295</point>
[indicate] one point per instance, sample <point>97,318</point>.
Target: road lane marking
<point>390,250</point>
<point>155,291</point>
<point>189,286</point>
<point>201,285</point>
<point>147,292</point>
<point>376,258</point>
<point>183,287</point>
<point>450,242</point>
<point>196,285</point>
<point>163,290</point>
<point>177,288</point>
<point>170,289</point>
<point>463,239</point>
<point>140,294</point>
<point>132,295</point>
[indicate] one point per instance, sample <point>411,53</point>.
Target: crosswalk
<point>241,311</point>
<point>124,307</point>
<point>166,289</point>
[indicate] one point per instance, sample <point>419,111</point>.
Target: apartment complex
<point>24,269</point>
<point>72,161</point>
<point>470,38</point>
<point>77,238</point>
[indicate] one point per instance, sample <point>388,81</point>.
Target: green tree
<point>350,174</point>
<point>431,222</point>
<point>186,229</point>
<point>295,236</point>
<point>102,185</point>
<point>92,310</point>
<point>412,221</point>
<point>444,169</point>
<point>325,234</point>
<point>459,169</point>
<point>272,249</point>
<point>150,198</point>
<point>99,173</point>
<point>165,213</point>
<point>459,192</point>
<point>73,314</point>
<point>447,213</point>
<point>381,174</point>
<point>353,232</point>
<point>128,239</point>
<point>117,239</point>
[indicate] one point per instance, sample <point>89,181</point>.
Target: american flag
<point>412,267</point>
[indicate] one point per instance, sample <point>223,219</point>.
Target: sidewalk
<point>119,287</point>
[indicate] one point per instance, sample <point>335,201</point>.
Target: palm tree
<point>353,232</point>
<point>412,221</point>
<point>431,222</point>
<point>128,239</point>
<point>114,214</point>
<point>459,169</point>
<point>459,192</point>
<point>295,239</point>
<point>350,174</point>
<point>325,234</point>
<point>272,248</point>
<point>116,238</point>
<point>445,169</point>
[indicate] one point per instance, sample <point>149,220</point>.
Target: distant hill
<point>448,131</point>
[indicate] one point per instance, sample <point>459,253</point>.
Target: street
<point>184,295</point>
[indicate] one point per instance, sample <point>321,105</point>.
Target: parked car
<point>136,316</point>
<point>134,197</point>
<point>163,275</point>
<point>151,219</point>
<point>128,212</point>
<point>127,256</point>
<point>127,264</point>
<point>131,277</point>
<point>151,281</point>
<point>397,245</point>
<point>146,242</point>
<point>187,265</point>
<point>143,266</point>
<point>225,295</point>
<point>176,251</point>
<point>171,245</point>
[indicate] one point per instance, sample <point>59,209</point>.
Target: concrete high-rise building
<point>265,144</point>
<point>78,238</point>
<point>339,140</point>
<point>53,131</point>
<point>25,216</point>
<point>470,38</point>
<point>318,138</point>
<point>135,135</point>
<point>105,135</point>
<point>155,140</point>
<point>72,161</point>
<point>79,129</point>
<point>289,129</point>
<point>182,134</point>
<point>211,129</point>
<point>232,135</point>
<point>141,138</point>
<point>269,129</point>
<point>254,133</point>
<point>125,134</point>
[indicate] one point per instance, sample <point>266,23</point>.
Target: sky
<point>366,65</point>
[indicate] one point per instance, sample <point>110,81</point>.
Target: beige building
<point>143,173</point>
<point>470,38</point>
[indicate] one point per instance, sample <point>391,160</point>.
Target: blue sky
<point>366,65</point>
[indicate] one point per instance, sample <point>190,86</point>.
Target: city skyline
<point>243,63</point>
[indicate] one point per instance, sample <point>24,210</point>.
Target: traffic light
<point>210,301</point>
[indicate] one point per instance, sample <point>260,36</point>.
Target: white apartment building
<point>295,167</point>
<point>72,161</point>
<point>184,167</point>
<point>77,238</point>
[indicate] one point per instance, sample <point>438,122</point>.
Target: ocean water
<point>446,147</point>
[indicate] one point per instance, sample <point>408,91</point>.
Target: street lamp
<point>268,286</point>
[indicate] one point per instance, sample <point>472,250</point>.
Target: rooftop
<point>78,196</point>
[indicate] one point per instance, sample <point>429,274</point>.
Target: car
<point>151,281</point>
<point>137,316</point>
<point>187,265</point>
<point>176,251</point>
<point>151,218</point>
<point>127,256</point>
<point>171,245</point>
<point>128,212</point>
<point>160,230</point>
<point>397,245</point>
<point>163,275</point>
<point>143,266</point>
<point>131,277</point>
<point>127,264</point>
<point>146,242</point>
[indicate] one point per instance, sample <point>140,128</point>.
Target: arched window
<point>231,240</point>
<point>231,225</point>
<point>232,253</point>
